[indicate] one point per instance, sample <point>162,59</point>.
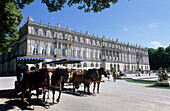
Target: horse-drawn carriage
<point>33,80</point>
<point>19,73</point>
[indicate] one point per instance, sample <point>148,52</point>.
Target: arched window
<point>97,65</point>
<point>35,48</point>
<point>92,65</point>
<point>91,54</point>
<point>78,53</point>
<point>73,52</point>
<point>100,55</point>
<point>84,64</point>
<point>52,34</point>
<point>91,42</point>
<point>44,33</point>
<point>96,54</point>
<point>84,40</point>
<point>36,32</point>
<point>52,50</point>
<point>78,39</point>
<point>43,49</point>
<point>73,39</point>
<point>63,50</point>
<point>84,53</point>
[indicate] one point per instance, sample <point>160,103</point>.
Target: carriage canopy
<point>66,61</point>
<point>30,60</point>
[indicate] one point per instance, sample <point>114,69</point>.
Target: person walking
<point>108,75</point>
<point>114,76</point>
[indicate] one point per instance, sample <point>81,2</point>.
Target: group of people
<point>114,75</point>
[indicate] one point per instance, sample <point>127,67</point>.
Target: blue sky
<point>142,22</point>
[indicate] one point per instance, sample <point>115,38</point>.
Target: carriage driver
<point>23,69</point>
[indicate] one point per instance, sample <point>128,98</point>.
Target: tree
<point>87,5</point>
<point>10,18</point>
<point>152,58</point>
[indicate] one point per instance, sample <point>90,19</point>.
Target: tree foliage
<point>86,5</point>
<point>10,18</point>
<point>159,58</point>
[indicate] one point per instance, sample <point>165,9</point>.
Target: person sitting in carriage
<point>23,69</point>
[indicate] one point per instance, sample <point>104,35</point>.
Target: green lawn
<point>151,85</point>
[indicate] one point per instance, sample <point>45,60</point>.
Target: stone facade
<point>54,43</point>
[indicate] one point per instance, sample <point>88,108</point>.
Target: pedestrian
<point>114,76</point>
<point>149,73</point>
<point>108,75</point>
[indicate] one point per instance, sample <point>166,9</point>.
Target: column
<point>75,52</point>
<point>31,47</point>
<point>57,50</point>
<point>67,50</point>
<point>28,48</point>
<point>48,49</point>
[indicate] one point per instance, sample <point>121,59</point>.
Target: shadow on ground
<point>13,102</point>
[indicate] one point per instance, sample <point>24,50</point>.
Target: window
<point>84,53</point>
<point>85,65</point>
<point>84,40</point>
<point>44,33</point>
<point>52,34</point>
<point>91,54</point>
<point>73,52</point>
<point>92,65</point>
<point>52,50</point>
<point>43,49</point>
<point>35,48</point>
<point>96,55</point>
<point>91,42</point>
<point>73,39</point>
<point>97,65</point>
<point>36,31</point>
<point>78,39</point>
<point>78,53</point>
<point>100,55</point>
<point>63,51</point>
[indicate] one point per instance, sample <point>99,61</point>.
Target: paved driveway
<point>114,96</point>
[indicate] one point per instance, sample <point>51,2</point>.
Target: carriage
<point>21,60</point>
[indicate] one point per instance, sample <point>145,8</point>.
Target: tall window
<point>73,52</point>
<point>100,55</point>
<point>52,34</point>
<point>44,33</point>
<point>73,39</point>
<point>63,50</point>
<point>91,42</point>
<point>84,53</point>
<point>35,48</point>
<point>78,53</point>
<point>36,31</point>
<point>84,40</point>
<point>52,50</point>
<point>91,54</point>
<point>96,55</point>
<point>43,49</point>
<point>78,39</point>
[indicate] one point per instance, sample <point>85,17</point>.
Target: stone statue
<point>163,75</point>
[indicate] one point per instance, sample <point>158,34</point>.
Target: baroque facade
<point>55,43</point>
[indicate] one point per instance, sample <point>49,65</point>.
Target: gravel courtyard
<point>114,96</point>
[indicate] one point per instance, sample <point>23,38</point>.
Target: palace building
<point>53,43</point>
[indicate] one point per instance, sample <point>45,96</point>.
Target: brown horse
<point>35,80</point>
<point>100,72</point>
<point>86,78</point>
<point>58,78</point>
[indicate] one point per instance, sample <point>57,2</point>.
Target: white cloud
<point>125,29</point>
<point>156,44</point>
<point>153,25</point>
